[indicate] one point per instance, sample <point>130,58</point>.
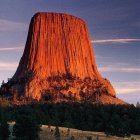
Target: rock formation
<point>58,58</point>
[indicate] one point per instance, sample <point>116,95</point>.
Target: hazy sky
<point>114,27</point>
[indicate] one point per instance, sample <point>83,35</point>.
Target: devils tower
<point>59,60</point>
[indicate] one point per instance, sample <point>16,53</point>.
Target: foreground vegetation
<point>62,133</point>
<point>111,119</point>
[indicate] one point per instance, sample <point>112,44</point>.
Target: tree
<point>57,133</point>
<point>71,138</point>
<point>3,82</point>
<point>1,117</point>
<point>89,137</point>
<point>68,132</point>
<point>4,127</point>
<point>26,128</point>
<point>4,130</point>
<point>138,105</point>
<point>133,139</point>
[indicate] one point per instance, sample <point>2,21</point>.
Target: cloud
<point>121,40</point>
<point>11,26</point>
<point>8,66</point>
<point>17,47</point>
<point>127,87</point>
<point>11,49</point>
<point>119,68</point>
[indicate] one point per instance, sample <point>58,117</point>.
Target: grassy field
<point>47,133</point>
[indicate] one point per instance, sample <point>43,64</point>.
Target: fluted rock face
<point>57,45</point>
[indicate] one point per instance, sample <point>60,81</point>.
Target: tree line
<point>117,120</point>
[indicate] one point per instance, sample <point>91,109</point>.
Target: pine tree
<point>89,137</point>
<point>68,132</point>
<point>3,82</point>
<point>1,117</point>
<point>57,133</point>
<point>4,127</point>
<point>4,130</point>
<point>26,128</point>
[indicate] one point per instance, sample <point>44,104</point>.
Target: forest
<point>119,120</point>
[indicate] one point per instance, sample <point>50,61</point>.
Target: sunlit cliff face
<point>57,45</point>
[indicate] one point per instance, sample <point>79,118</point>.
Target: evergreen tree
<point>1,117</point>
<point>4,130</point>
<point>26,128</point>
<point>68,132</point>
<point>3,82</point>
<point>89,137</point>
<point>4,127</point>
<point>57,133</point>
<point>71,138</point>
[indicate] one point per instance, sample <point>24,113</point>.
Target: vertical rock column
<point>57,44</point>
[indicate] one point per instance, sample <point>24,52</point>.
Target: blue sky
<point>114,27</point>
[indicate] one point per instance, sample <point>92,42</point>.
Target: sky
<point>114,28</point>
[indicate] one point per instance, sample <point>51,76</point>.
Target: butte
<point>58,63</point>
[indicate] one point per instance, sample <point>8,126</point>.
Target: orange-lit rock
<point>58,45</point>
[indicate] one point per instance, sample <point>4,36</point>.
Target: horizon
<point>114,28</point>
